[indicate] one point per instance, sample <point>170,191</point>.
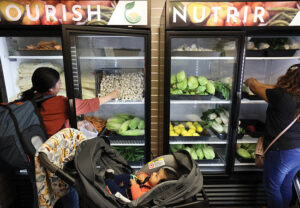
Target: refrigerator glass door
<point>202,74</point>
<point>20,56</point>
<point>102,63</point>
<point>267,58</point>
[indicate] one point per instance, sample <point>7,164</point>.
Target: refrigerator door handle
<point>239,95</point>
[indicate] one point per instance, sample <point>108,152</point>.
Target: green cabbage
<point>182,85</point>
<point>200,153</point>
<point>116,120</point>
<point>208,152</point>
<point>124,116</point>
<point>113,126</point>
<point>173,79</point>
<point>180,76</point>
<point>193,154</point>
<point>141,125</point>
<point>201,89</point>
<point>124,126</point>
<point>192,82</point>
<point>188,149</point>
<point>176,92</point>
<point>135,132</point>
<point>210,88</point>
<point>133,124</point>
<point>202,80</point>
<point>243,153</point>
<point>176,147</point>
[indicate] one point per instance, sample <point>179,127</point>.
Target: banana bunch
<point>186,129</point>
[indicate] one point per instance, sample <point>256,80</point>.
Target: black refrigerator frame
<point>235,96</point>
<point>67,29</point>
<point>61,31</point>
<point>254,31</point>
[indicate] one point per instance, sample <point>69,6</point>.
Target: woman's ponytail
<point>28,94</point>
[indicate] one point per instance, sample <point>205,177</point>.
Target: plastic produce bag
<point>87,128</point>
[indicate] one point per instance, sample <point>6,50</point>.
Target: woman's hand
<point>114,94</point>
<point>258,88</point>
<point>250,82</point>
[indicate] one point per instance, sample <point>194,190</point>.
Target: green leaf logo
<point>130,15</point>
<point>130,5</point>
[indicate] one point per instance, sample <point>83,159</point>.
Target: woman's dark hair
<point>290,82</point>
<point>43,79</point>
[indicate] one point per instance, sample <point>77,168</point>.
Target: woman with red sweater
<point>54,111</point>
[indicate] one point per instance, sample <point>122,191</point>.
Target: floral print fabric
<point>60,148</point>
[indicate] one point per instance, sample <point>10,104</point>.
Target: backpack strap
<point>41,98</point>
<point>36,102</point>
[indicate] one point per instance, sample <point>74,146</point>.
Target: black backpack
<point>21,132</point>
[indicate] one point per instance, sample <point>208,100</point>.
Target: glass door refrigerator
<point>201,71</point>
<point>101,60</point>
<point>269,46</point>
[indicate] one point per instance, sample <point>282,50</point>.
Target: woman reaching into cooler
<point>282,159</point>
<point>54,111</point>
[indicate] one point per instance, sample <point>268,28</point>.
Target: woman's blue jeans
<point>280,168</point>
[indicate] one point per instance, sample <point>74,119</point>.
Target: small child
<point>141,184</point>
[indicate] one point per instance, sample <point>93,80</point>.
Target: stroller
<point>93,157</point>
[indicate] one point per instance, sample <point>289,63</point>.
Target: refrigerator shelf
<point>211,163</point>
<point>246,101</point>
<point>197,140</point>
<point>196,53</point>
<point>202,58</point>
<point>273,58</point>
<point>216,161</point>
<point>126,102</point>
<point>245,160</point>
<point>111,58</point>
<point>238,163</point>
<point>214,100</point>
<point>191,97</point>
<point>247,169</point>
<point>125,142</point>
<point>35,57</point>
<point>136,165</point>
<point>247,139</point>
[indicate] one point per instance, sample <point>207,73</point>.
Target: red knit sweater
<point>54,112</point>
